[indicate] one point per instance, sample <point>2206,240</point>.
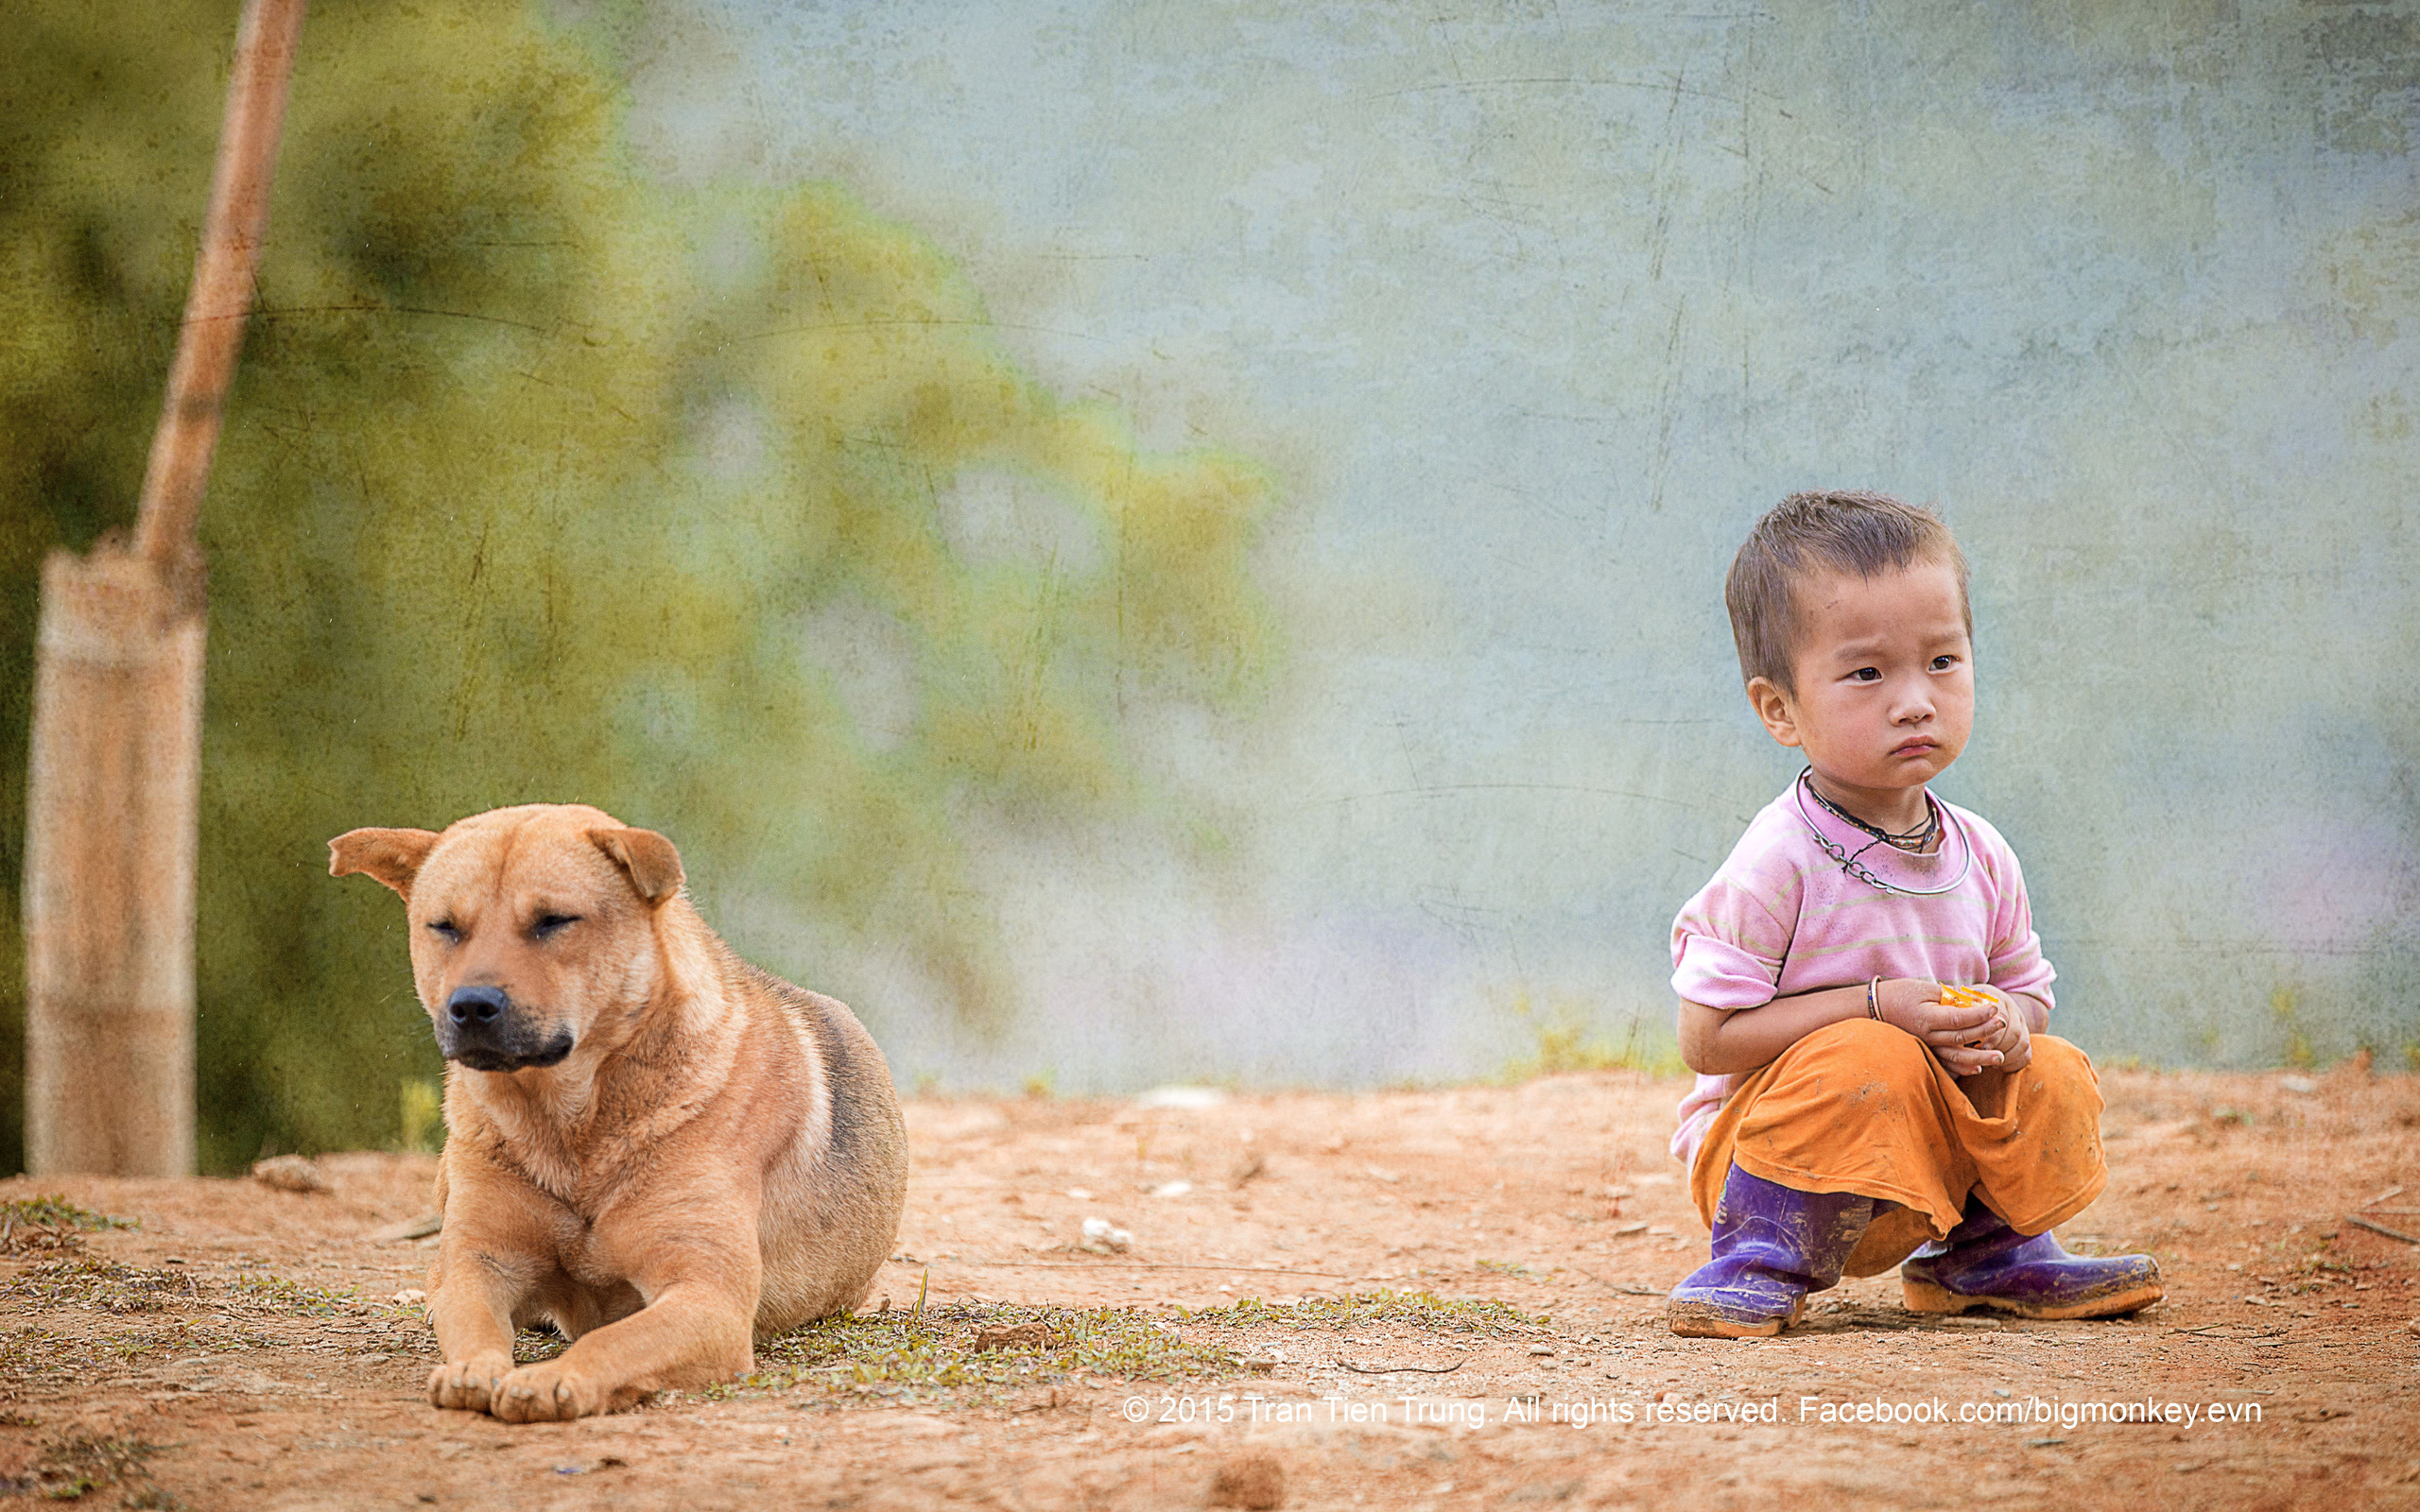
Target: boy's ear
<point>1774,710</point>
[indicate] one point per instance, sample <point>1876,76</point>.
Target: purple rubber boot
<point>1772,1245</point>
<point>1984,1262</point>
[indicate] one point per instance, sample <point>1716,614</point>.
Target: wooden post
<point>114,785</point>
<point>111,832</point>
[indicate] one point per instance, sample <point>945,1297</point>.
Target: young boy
<point>1853,1102</point>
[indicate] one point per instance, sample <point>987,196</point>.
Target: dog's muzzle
<point>483,1029</point>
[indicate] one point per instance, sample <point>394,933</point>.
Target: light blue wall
<point>1531,309</point>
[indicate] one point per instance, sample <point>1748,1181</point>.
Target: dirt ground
<point>1458,1304</point>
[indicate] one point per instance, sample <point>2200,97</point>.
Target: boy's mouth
<point>1915,747</point>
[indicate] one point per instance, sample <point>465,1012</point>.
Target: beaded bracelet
<point>1874,999</point>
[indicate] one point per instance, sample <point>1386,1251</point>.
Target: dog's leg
<point>482,1283</point>
<point>697,1327</point>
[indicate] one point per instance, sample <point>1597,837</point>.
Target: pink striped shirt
<point>1783,917</point>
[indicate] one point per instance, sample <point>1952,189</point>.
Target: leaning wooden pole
<point>113,786</point>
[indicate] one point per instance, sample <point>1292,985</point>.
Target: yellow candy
<point>1967,997</point>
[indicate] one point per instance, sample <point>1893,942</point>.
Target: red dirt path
<point>232,1390</point>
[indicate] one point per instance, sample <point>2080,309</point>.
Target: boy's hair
<point>1865,534</point>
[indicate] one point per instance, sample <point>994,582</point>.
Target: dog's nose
<point>478,1007</point>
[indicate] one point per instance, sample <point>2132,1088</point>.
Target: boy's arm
<point>1719,1042</point>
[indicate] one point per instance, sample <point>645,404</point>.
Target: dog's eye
<point>548,923</point>
<point>444,930</point>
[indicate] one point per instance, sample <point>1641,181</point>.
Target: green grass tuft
<point>56,1212</point>
<point>904,1354</point>
<point>100,1285</point>
<point>1566,1043</point>
<point>70,1470</point>
<point>31,1356</point>
<point>1421,1308</point>
<point>275,1294</point>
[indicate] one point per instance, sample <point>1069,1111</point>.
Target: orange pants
<point>1863,1107</point>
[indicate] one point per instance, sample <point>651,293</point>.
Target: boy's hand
<point>1965,1037</point>
<point>2010,1036</point>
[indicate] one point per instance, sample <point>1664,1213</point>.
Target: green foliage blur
<point>542,481</point>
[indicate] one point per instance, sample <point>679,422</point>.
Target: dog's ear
<point>392,856</point>
<point>647,858</point>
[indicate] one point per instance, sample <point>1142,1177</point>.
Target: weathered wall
<point>1532,307</point>
<point>1147,541</point>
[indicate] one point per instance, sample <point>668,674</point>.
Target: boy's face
<point>1886,687</point>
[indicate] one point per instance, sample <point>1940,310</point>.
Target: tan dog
<point>649,1143</point>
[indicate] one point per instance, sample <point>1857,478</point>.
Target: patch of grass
<point>916,1356</point>
<point>182,1336</point>
<point>275,1294</point>
<point>32,1354</point>
<point>93,1284</point>
<point>419,1108</point>
<point>70,1469</point>
<point>1564,1044</point>
<point>2298,1053</point>
<point>100,1285</point>
<point>52,1224</point>
<point>530,1345</point>
<point>1421,1308</point>
<point>54,1212</point>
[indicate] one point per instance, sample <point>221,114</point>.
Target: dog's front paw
<point>545,1393</point>
<point>468,1384</point>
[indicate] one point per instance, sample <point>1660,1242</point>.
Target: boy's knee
<point>2054,1057</point>
<point>2065,1074</point>
<point>1863,1055</point>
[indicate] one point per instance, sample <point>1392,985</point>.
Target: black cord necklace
<point>1917,841</point>
<point>1855,867</point>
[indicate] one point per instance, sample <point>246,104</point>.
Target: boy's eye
<point>1943,662</point>
<point>1866,675</point>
